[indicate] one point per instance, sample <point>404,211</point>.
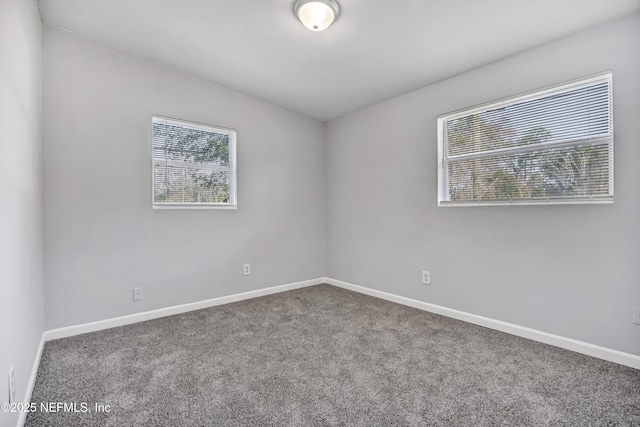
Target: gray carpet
<point>326,356</point>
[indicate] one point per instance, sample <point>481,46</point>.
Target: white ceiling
<point>376,49</point>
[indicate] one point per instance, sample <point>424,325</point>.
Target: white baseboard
<point>84,328</point>
<point>615,356</point>
<point>32,381</point>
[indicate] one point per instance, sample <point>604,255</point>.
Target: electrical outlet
<point>426,278</point>
<point>12,385</point>
<point>636,315</point>
<point>137,294</point>
<point>246,270</point>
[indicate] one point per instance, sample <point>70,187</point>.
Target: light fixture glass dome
<point>316,15</point>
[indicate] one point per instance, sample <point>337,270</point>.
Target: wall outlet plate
<point>636,315</point>
<point>12,385</point>
<point>246,269</point>
<point>137,294</point>
<point>426,277</point>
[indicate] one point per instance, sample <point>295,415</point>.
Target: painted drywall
<point>21,285</point>
<point>567,270</point>
<point>102,237</point>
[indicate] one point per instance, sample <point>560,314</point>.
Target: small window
<point>551,146</point>
<point>194,165</point>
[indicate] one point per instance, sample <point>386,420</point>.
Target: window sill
<point>543,202</point>
<point>192,206</point>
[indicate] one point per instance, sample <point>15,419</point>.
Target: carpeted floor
<point>325,356</point>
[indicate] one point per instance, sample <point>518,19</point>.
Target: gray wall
<point>102,238</point>
<point>567,270</point>
<point>21,293</point>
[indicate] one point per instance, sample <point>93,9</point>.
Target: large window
<point>194,165</point>
<point>551,146</point>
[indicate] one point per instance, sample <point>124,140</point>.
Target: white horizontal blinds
<point>191,163</point>
<point>554,144</point>
<point>579,171</point>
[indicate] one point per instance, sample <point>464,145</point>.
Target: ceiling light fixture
<point>316,15</point>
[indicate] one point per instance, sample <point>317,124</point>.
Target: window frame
<point>232,168</point>
<point>443,185</point>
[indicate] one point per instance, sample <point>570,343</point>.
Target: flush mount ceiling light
<point>316,15</point>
